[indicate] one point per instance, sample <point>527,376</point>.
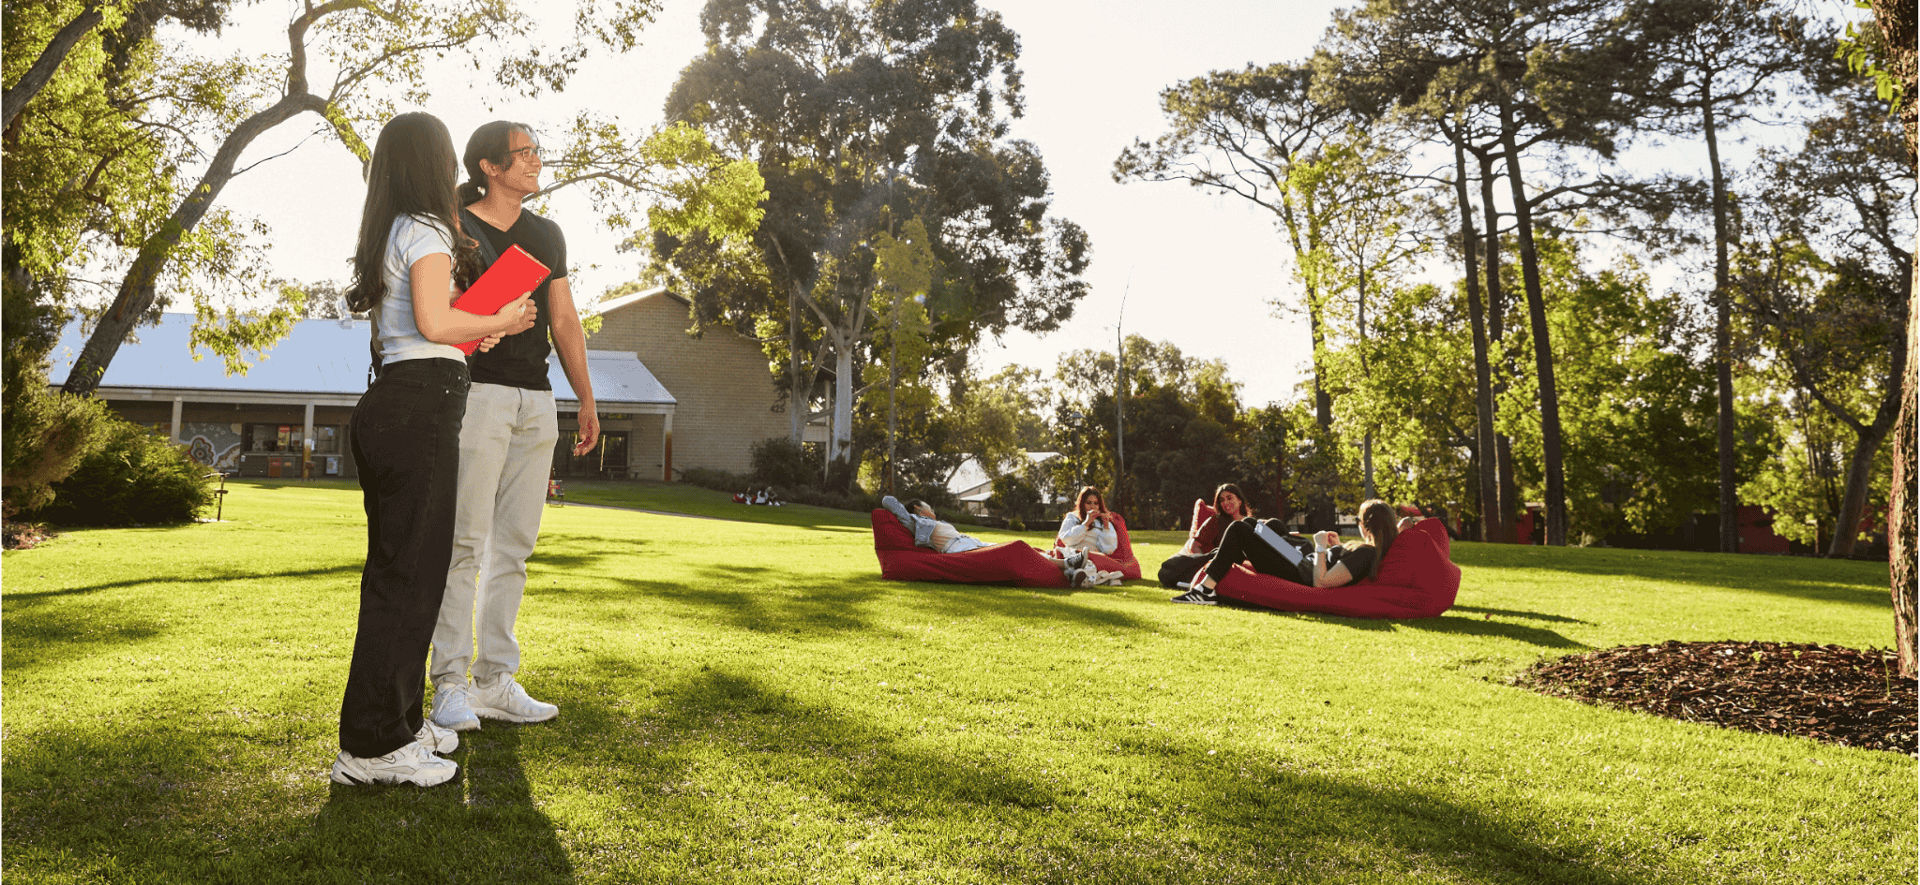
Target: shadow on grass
<point>1143,806</point>
<point>181,804</point>
<point>198,577</point>
<point>484,824</point>
<point>1815,580</point>
<point>1447,623</point>
<point>755,599</point>
<point>1512,613</point>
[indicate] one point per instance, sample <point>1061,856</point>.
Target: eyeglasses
<point>532,150</point>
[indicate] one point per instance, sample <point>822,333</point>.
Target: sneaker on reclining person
<point>435,738</point>
<point>412,764</point>
<point>453,707</point>
<point>1201,594</point>
<point>506,700</point>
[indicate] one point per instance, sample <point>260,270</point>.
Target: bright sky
<point>1197,270</point>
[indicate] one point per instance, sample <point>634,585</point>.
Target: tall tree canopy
<point>861,116</point>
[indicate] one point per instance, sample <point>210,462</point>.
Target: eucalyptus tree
<point>1533,74</point>
<point>1246,133</point>
<point>860,116</point>
<point>1828,278</point>
<point>1719,64</point>
<point>1366,214</point>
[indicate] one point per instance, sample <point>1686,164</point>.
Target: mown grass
<point>749,702</point>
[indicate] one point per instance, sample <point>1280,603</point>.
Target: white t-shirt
<point>395,335</point>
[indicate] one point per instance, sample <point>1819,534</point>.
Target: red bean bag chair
<point>1416,580</point>
<point>1122,560</point>
<point>1015,562</point>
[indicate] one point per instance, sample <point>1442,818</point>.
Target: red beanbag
<point>1416,580</point>
<point>1122,560</point>
<point>1015,562</point>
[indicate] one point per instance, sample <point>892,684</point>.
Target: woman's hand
<point>518,314</point>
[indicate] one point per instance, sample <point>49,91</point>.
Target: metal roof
<point>322,361</point>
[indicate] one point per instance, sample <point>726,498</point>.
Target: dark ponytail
<point>411,173</point>
<point>491,143</point>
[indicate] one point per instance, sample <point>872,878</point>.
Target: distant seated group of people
<point>1232,536</point>
<point>1087,528</point>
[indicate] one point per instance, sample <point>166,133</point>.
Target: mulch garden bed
<point>1828,693</point>
<point>23,535</point>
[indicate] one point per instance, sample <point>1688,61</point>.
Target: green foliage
<point>858,117</point>
<point>779,461</point>
<point>137,477</point>
<point>44,434</point>
<point>1864,48</point>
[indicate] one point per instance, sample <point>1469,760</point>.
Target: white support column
<point>306,445</point>
<point>666,447</point>
<point>178,403</point>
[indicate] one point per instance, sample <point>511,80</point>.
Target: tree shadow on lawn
<point>830,607</point>
<point>1447,623</point>
<point>179,803</point>
<point>748,766</point>
<point>197,577</point>
<point>1815,580</point>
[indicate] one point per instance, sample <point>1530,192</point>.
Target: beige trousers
<point>506,453</point>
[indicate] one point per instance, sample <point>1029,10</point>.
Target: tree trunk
<point>1550,441</point>
<point>842,438</point>
<point>1868,438</point>
<point>799,395</point>
<point>36,78</point>
<point>1903,510</point>
<point>138,289</point>
<point>1722,338</point>
<point>1486,466</point>
<point>1506,501</point>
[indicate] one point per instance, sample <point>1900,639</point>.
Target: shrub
<point>718,480</point>
<point>44,434</point>
<point>779,461</point>
<point>136,478</point>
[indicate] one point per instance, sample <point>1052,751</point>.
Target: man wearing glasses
<point>506,445</point>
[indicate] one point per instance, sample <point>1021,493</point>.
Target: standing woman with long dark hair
<point>405,436</point>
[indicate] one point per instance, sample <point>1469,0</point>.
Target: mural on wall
<point>215,445</point>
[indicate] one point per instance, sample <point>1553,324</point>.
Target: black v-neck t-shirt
<point>520,360</point>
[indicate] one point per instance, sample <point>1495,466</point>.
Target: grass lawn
<point>746,701</point>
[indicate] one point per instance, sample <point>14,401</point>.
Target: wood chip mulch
<point>23,535</point>
<point>1828,693</point>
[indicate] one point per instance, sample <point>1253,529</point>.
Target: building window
<point>269,438</point>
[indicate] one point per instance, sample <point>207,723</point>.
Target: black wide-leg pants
<point>406,441</point>
<point>1240,543</point>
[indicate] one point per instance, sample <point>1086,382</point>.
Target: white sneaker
<point>411,764</point>
<point>453,708</point>
<point>437,739</point>
<point>508,701</point>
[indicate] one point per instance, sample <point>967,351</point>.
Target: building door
<point>608,460</point>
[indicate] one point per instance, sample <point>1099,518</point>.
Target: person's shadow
<point>480,827</point>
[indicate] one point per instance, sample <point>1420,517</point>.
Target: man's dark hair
<point>491,143</point>
<point>914,506</point>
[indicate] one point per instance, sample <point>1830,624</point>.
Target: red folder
<point>513,275</point>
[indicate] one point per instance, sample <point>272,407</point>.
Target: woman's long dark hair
<point>1384,525</point>
<point>1246,509</point>
<point>412,173</point>
<point>490,143</point>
